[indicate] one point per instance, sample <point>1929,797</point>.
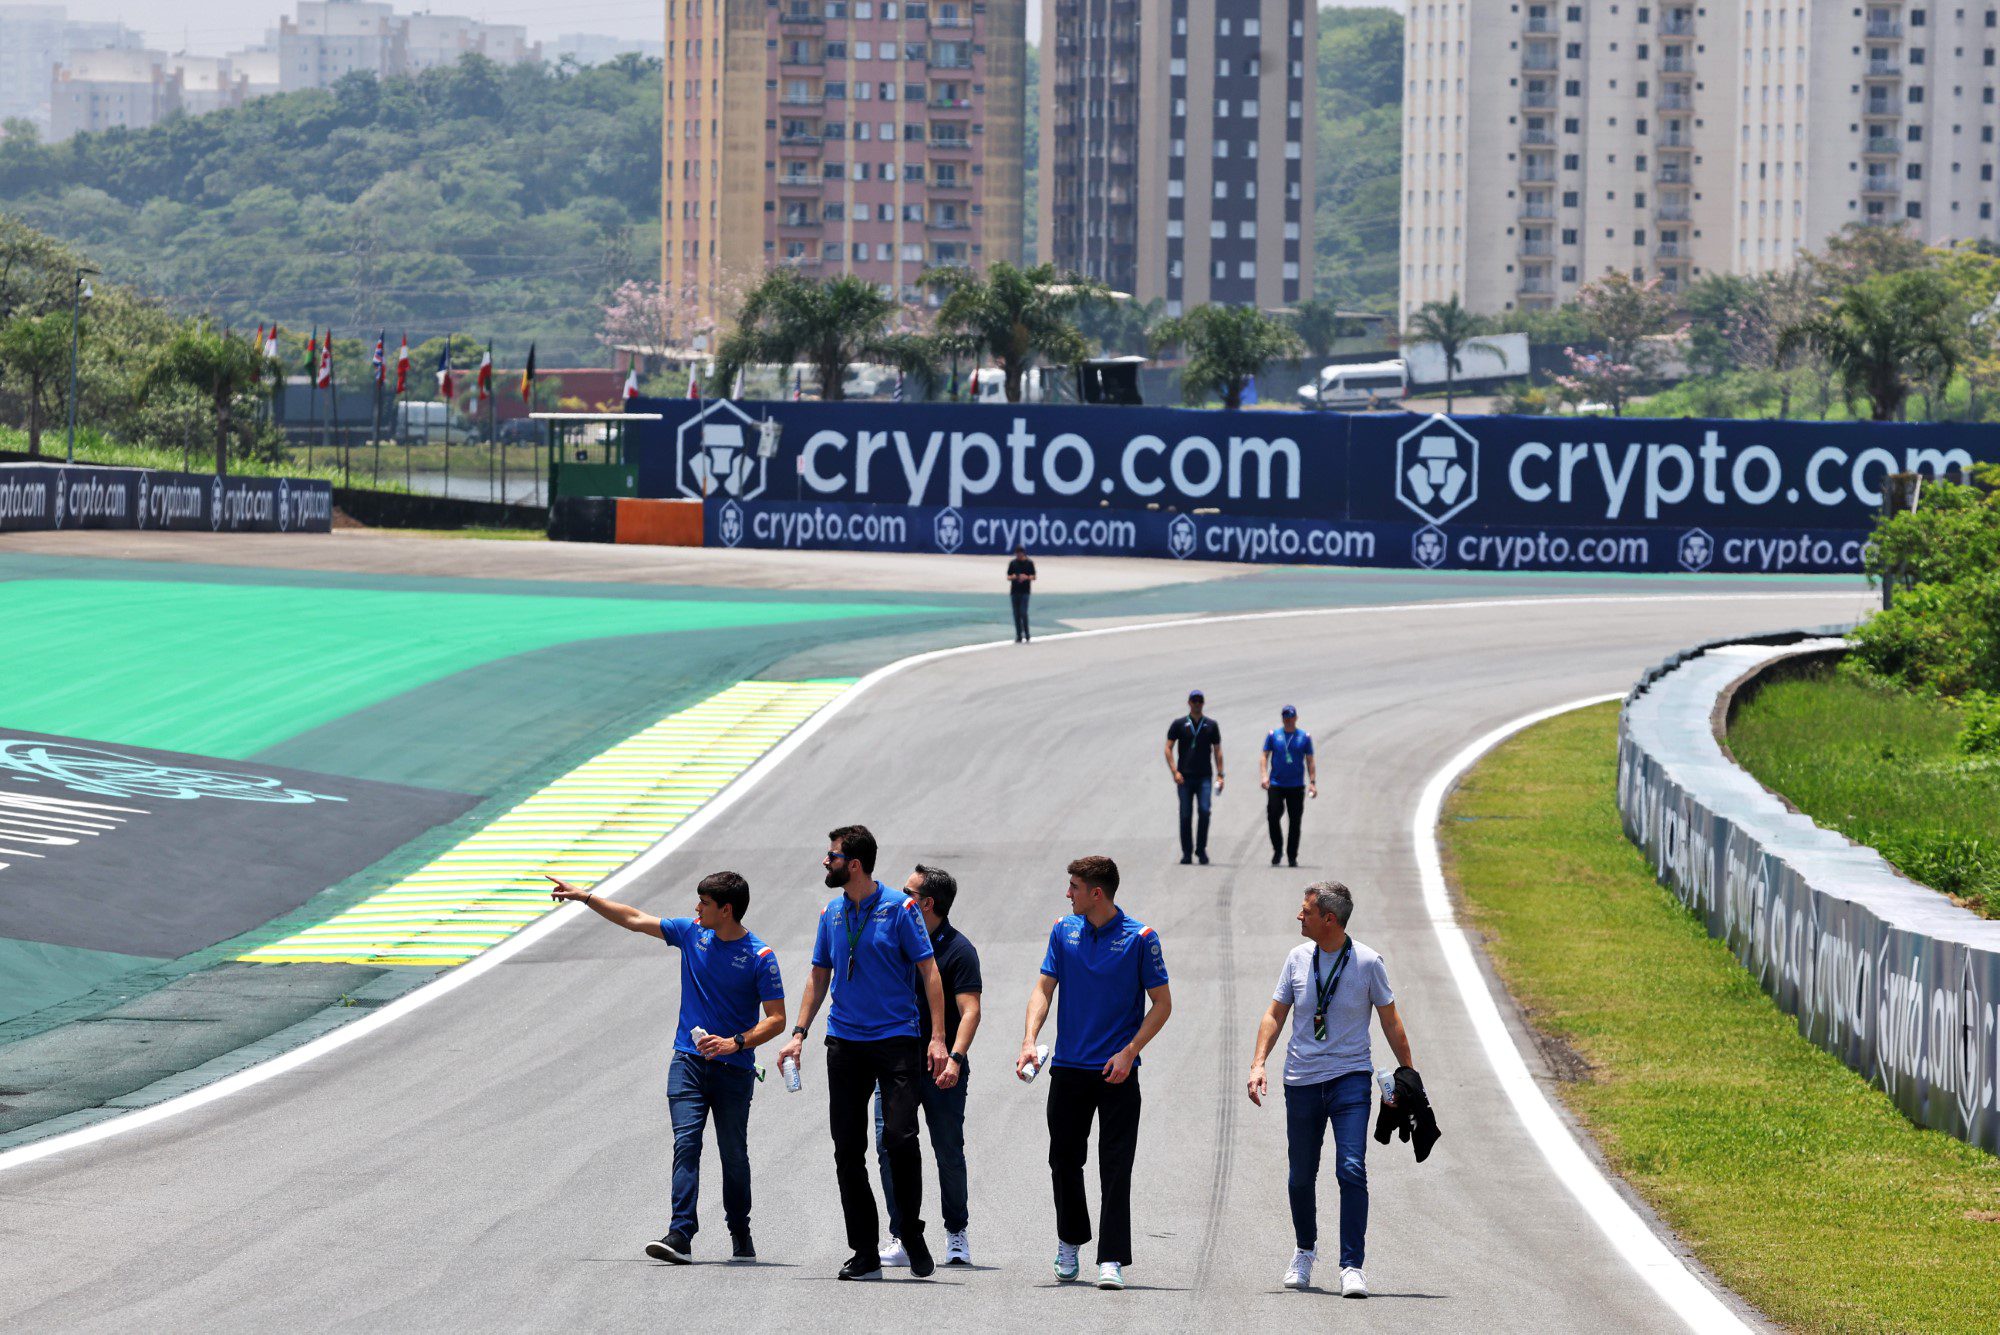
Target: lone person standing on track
<point>1020,583</point>
<point>1289,775</point>
<point>726,975</point>
<point>1101,967</point>
<point>1190,740</point>
<point>935,890</point>
<point>1329,984</point>
<point>873,954</point>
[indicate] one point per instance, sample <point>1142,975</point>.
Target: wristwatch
<point>799,1030</point>
<point>739,1042</point>
<point>958,1057</point>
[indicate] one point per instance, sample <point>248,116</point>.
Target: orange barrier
<point>659,523</point>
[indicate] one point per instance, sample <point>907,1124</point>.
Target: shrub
<point>1941,638</point>
<point>1952,535</point>
<point>1979,734</point>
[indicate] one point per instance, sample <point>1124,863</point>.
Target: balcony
<point>808,143</point>
<point>1675,99</point>
<point>1881,145</point>
<point>1881,108</point>
<point>951,145</point>
<point>948,225</point>
<point>950,62</point>
<point>793,222</point>
<point>801,60</point>
<point>954,185</point>
<point>1539,99</point>
<point>1538,138</point>
<point>1674,142</point>
<point>1881,185</point>
<point>1539,25</point>
<point>1675,212</point>
<point>1885,29</point>
<point>1538,170</point>
<point>948,105</point>
<point>1539,58</point>
<point>1673,174</point>
<point>1671,251</point>
<point>1676,25</point>
<point>1537,208</point>
<point>960,22</point>
<point>799,261</point>
<point>802,100</point>
<point>1537,248</point>
<point>1676,64</point>
<point>1536,287</point>
<point>800,182</point>
<point>799,18</point>
<point>1883,69</point>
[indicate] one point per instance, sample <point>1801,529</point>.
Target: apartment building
<point>102,90</point>
<point>34,39</point>
<point>326,39</point>
<point>1177,147</point>
<point>880,138</point>
<point>1545,143</point>
<point>432,41</point>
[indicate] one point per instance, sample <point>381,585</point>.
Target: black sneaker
<point>741,1248</point>
<point>1202,858</point>
<point>1294,862</point>
<point>674,1249</point>
<point>1275,857</point>
<point>921,1264</point>
<point>1186,858</point>
<point>860,1266</point>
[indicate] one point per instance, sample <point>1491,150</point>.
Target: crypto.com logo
<point>1437,468</point>
<point>1181,537</point>
<point>715,454</point>
<point>1696,550</point>
<point>1427,547</point>
<point>729,522</point>
<point>949,530</point>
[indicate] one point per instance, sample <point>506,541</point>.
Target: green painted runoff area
<point>231,669</point>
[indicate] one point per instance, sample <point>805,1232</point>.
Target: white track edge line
<point>1629,1233</point>
<point>140,1118</point>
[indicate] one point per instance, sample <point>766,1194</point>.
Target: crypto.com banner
<point>53,496</point>
<point>1547,493</point>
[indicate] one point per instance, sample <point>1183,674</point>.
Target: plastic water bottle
<point>789,1068</point>
<point>1035,1067</point>
<point>1385,1079</point>
<point>697,1033</point>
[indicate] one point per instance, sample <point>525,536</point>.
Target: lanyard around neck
<point>1323,992</point>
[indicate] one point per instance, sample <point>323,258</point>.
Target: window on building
<point>1247,230</point>
<point>1222,190</point>
<point>1218,230</point>
<point>1246,268</point>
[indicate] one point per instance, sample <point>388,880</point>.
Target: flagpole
<point>381,369</point>
<point>312,393</point>
<point>447,415</point>
<point>492,425</point>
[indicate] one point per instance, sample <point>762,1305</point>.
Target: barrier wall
<point>1889,976</point>
<point>1512,493</point>
<point>55,496</point>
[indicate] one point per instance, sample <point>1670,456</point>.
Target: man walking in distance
<point>1020,583</point>
<point>935,891</point>
<point>873,953</point>
<point>1102,967</point>
<point>1290,775</point>
<point>1329,984</point>
<point>727,975</point>
<point>1191,741</point>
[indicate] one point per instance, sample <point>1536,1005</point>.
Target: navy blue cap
<point>1196,694</point>
<point>1289,711</point>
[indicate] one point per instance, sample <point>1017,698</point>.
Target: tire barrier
<point>49,497</point>
<point>1888,975</point>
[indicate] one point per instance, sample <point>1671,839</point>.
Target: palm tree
<point>1015,315</point>
<point>1226,346</point>
<point>1449,325</point>
<point>35,349</point>
<point>1319,326</point>
<point>829,324</point>
<point>219,366</point>
<point>1884,335</point>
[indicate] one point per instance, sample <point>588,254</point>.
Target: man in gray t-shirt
<point>1328,985</point>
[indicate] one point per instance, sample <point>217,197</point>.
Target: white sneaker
<point>1110,1275</point>
<point>1066,1260</point>
<point>1353,1284</point>
<point>957,1248</point>
<point>895,1253</point>
<point>1300,1273</point>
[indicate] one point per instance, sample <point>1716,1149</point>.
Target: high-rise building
<point>34,39</point>
<point>100,90</point>
<point>432,41</point>
<point>327,39</point>
<point>590,48</point>
<point>1177,147</point>
<point>880,138</point>
<point>1545,143</point>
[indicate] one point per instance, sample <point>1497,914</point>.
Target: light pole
<point>78,292</point>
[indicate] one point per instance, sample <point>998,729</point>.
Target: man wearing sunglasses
<point>873,953</point>
<point>1329,984</point>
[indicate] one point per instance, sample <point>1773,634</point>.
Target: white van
<point>989,385</point>
<point>1359,385</point>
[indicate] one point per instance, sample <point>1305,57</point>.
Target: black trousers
<point>1277,802</point>
<point>1019,595</point>
<point>853,1069</point>
<point>1075,1096</point>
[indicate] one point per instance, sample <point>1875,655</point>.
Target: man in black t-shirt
<point>934,889</point>
<point>1020,582</point>
<point>1191,740</point>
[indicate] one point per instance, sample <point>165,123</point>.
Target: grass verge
<point>1797,1183</point>
<point>93,447</point>
<point>1883,768</point>
<point>497,534</point>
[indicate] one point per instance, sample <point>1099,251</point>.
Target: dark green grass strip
<point>1792,1178</point>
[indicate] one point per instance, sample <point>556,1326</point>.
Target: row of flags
<point>319,364</point>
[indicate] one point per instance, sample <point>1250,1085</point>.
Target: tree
<point>1116,325</point>
<point>220,366</point>
<point>1319,326</point>
<point>34,352</point>
<point>1225,346</point>
<point>1885,336</point>
<point>1016,315</point>
<point>1634,324</point>
<point>1449,325</point>
<point>828,324</point>
<point>653,316</point>
<point>1860,251</point>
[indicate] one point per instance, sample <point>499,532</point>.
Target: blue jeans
<point>696,1089</point>
<point>1196,794</point>
<point>1343,1101</point>
<point>944,1114</point>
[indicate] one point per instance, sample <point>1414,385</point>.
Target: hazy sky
<point>214,26</point>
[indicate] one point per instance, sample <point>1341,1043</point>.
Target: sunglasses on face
<point>833,857</point>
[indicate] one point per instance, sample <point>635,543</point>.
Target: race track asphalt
<point>496,1160</point>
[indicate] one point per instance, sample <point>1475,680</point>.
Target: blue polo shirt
<point>879,999</point>
<point>723,984</point>
<point>1102,976</point>
<point>1288,752</point>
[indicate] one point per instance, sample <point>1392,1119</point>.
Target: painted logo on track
<point>88,769</point>
<point>1437,468</point>
<point>715,454</point>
